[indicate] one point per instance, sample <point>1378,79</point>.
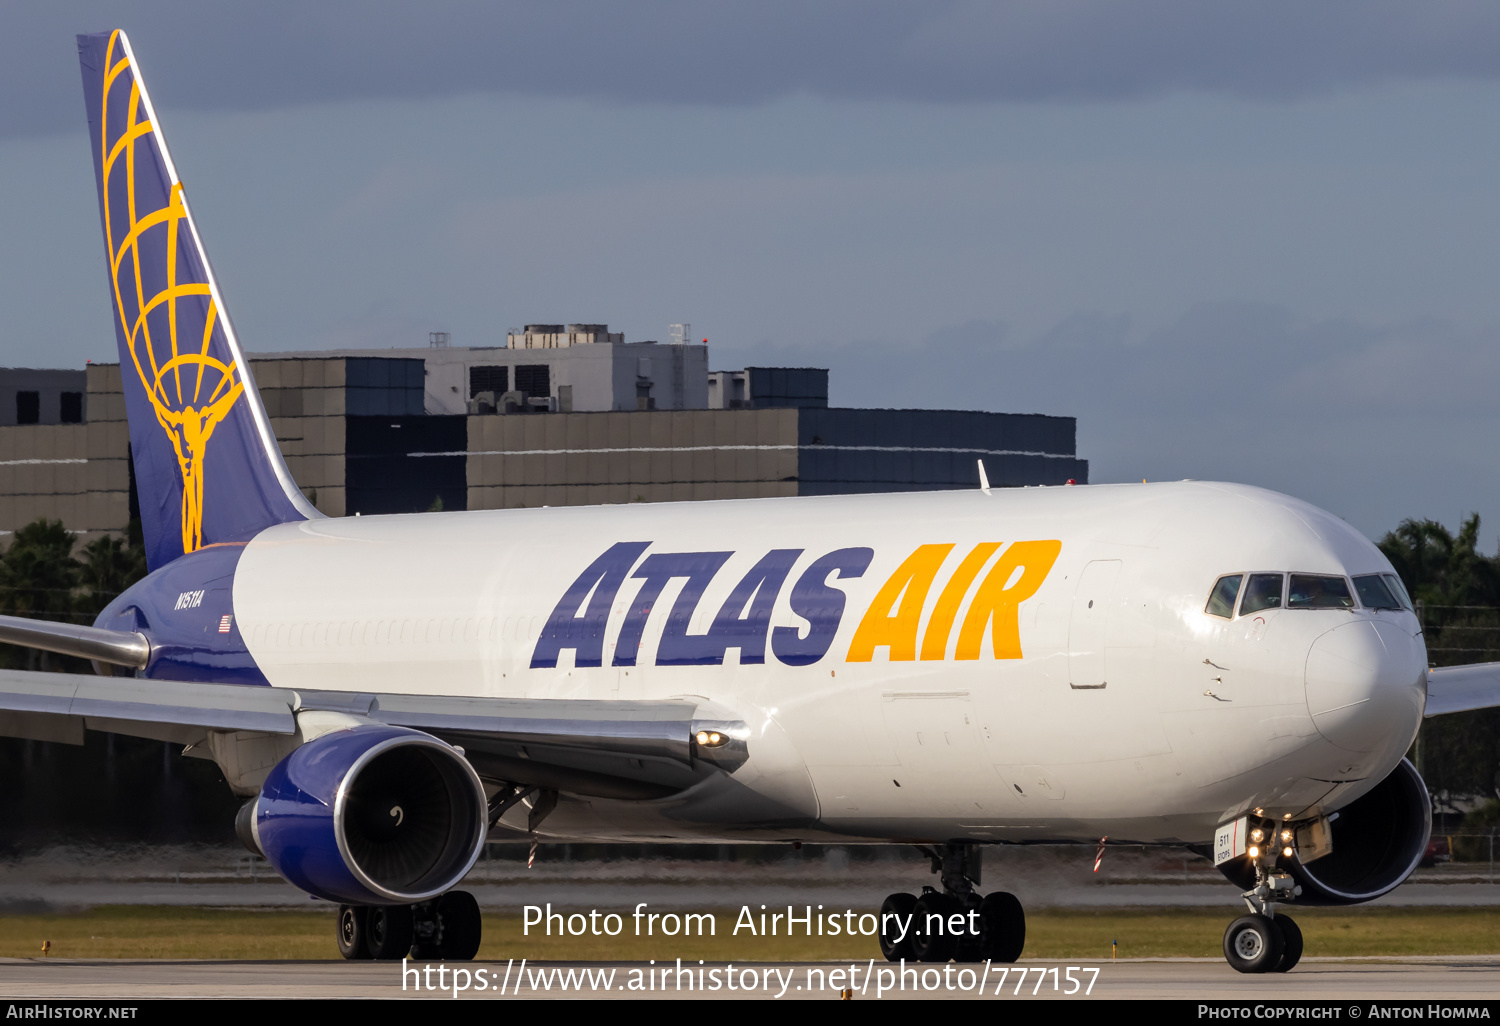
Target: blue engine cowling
<point>373,815</point>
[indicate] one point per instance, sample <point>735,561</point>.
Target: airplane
<point>1206,665</point>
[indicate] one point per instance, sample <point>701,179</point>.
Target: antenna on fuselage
<point>984,479</point>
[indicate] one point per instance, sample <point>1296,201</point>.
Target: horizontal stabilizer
<point>1452,689</point>
<point>123,648</point>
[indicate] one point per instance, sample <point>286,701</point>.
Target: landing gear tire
<point>1003,926</point>
<point>893,944</point>
<point>966,926</point>
<point>388,934</point>
<point>447,928</point>
<point>1291,936</point>
<point>940,944</point>
<point>971,941</point>
<point>353,932</point>
<point>461,926</point>
<point>1254,944</point>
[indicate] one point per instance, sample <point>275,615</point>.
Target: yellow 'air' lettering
<point>999,606</point>
<point>940,624</point>
<point>911,582</point>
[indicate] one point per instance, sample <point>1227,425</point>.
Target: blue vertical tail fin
<point>207,466</point>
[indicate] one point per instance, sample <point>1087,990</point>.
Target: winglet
<point>984,479</point>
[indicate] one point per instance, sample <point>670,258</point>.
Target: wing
<point>609,749</point>
<point>1452,689</point>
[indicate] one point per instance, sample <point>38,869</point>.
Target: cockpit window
<point>1398,589</point>
<point>1374,593</point>
<point>1221,602</point>
<point>1262,591</point>
<point>1312,591</point>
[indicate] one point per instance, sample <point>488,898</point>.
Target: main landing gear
<point>446,928</point>
<point>1263,941</point>
<point>955,922</point>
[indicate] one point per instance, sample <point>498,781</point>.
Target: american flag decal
<point>224,622</point>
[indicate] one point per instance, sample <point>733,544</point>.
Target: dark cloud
<point>237,56</point>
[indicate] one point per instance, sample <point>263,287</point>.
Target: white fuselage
<point>1128,710</point>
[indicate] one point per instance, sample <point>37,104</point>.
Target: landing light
<point>1286,837</point>
<point>1287,852</point>
<point>710,738</point>
<point>1254,852</point>
<point>1257,835</point>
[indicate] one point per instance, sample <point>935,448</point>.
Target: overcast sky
<point>1243,242</point>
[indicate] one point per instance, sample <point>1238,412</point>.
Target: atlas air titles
<point>1007,575</point>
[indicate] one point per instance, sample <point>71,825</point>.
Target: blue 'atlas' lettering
<point>757,590</point>
<point>583,632</point>
<point>820,605</point>
<point>698,567</point>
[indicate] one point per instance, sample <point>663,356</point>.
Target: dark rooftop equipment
<point>534,380</point>
<point>788,387</point>
<point>489,378</point>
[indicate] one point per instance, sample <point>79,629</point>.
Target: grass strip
<point>158,932</point>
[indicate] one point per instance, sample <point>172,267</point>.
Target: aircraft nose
<point>1365,683</point>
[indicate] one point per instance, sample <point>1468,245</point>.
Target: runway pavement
<point>1371,980</point>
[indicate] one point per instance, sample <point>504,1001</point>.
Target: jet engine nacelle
<point>374,815</point>
<point>1378,839</point>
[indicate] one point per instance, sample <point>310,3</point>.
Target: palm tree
<point>37,578</point>
<point>1458,590</point>
<point>109,567</point>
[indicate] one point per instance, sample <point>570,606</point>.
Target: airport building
<point>561,415</point>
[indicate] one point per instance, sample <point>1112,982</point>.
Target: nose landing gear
<point>447,928</point>
<point>955,922</point>
<point>1264,942</point>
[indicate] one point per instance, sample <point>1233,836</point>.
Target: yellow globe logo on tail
<point>168,321</point>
